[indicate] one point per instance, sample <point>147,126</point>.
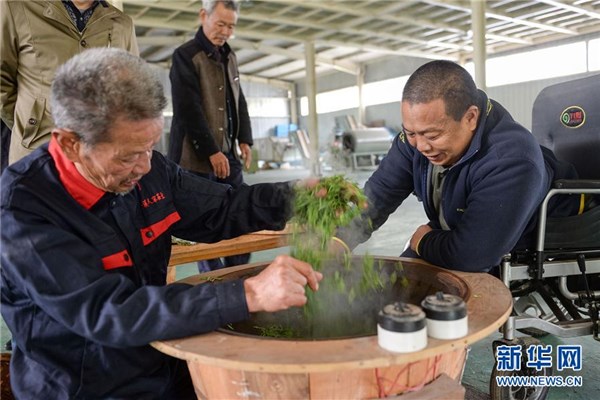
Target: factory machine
<point>366,147</point>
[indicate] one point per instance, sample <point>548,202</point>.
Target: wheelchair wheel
<point>520,392</point>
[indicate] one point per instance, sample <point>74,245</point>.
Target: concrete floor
<point>389,241</point>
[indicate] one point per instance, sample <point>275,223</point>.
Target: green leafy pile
<point>276,331</point>
<point>317,216</point>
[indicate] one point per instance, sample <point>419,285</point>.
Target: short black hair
<point>441,79</point>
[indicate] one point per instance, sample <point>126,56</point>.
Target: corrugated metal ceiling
<point>270,35</point>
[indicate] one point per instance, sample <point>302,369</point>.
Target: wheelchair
<point>556,285</point>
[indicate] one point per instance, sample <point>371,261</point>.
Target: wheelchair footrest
<point>562,329</point>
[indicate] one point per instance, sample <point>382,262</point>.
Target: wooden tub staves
<point>241,366</point>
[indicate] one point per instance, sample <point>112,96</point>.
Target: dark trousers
<point>4,145</point>
<point>235,179</point>
<point>181,387</point>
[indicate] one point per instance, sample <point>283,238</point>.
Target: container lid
<point>445,307</point>
<point>401,317</point>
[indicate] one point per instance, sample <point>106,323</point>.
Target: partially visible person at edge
<point>4,145</point>
<point>86,237</point>
<point>210,114</point>
<point>37,37</point>
<point>479,174</point>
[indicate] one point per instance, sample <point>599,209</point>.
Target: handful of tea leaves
<point>318,217</point>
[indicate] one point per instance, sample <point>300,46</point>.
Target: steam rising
<point>345,305</point>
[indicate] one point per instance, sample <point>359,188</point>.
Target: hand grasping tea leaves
<point>319,210</point>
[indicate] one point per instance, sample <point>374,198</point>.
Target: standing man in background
<point>210,114</point>
<point>37,37</point>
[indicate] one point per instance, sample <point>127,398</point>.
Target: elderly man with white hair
<point>86,238</point>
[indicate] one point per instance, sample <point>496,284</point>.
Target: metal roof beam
<point>287,85</point>
<point>334,30</point>
<point>344,66</point>
<point>503,17</point>
<point>577,9</point>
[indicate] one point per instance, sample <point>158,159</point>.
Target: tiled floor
<point>389,241</point>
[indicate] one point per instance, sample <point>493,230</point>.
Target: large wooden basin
<point>227,365</point>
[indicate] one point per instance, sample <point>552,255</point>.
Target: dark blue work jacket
<point>83,273</point>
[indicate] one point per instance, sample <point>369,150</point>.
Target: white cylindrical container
<point>446,316</point>
<point>401,328</point>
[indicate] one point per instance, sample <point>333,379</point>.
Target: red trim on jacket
<point>78,187</point>
<point>117,260</point>
<point>150,233</point>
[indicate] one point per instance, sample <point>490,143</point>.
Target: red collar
<point>78,187</point>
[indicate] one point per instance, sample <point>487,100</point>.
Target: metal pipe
<point>479,45</point>
<point>293,104</point>
<point>360,81</point>
<point>311,94</point>
<point>563,288</point>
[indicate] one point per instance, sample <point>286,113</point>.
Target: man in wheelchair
<point>499,198</point>
<point>479,174</point>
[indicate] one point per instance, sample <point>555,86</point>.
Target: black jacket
<point>200,83</point>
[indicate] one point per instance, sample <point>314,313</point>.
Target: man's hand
<point>310,183</point>
<point>246,154</point>
<point>281,285</point>
<point>417,236</point>
<point>220,165</point>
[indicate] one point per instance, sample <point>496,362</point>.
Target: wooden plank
<point>222,383</point>
<point>196,375</point>
<point>355,384</point>
<point>181,254</point>
<point>212,382</point>
<point>443,387</point>
<point>257,241</point>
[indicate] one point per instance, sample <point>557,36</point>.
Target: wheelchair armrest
<point>576,184</point>
<point>561,186</point>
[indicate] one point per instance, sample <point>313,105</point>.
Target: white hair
<point>98,86</point>
<point>209,5</point>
